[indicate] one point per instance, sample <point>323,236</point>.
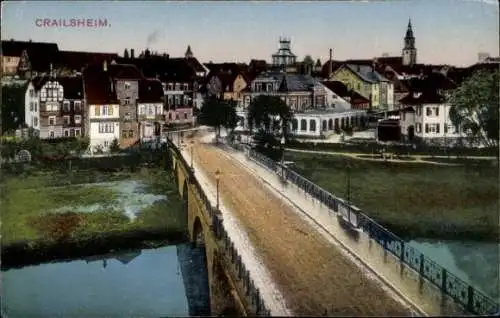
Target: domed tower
<point>409,50</point>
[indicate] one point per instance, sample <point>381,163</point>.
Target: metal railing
<point>473,300</point>
<point>252,293</point>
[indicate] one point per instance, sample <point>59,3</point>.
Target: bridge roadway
<point>313,276</point>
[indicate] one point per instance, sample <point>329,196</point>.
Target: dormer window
<point>127,85</point>
<point>126,101</point>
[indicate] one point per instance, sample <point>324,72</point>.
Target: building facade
<point>150,110</point>
<point>430,121</point>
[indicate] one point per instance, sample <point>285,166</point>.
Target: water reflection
<point>145,283</point>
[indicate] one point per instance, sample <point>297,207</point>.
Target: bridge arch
<point>198,239</point>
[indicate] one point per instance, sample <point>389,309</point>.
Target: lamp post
<point>283,157</point>
<point>348,189</point>
<point>192,150</point>
<point>217,177</point>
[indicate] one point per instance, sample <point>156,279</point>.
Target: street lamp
<point>283,157</point>
<point>192,148</point>
<point>217,177</point>
<point>348,189</point>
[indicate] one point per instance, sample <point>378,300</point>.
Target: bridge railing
<point>251,291</point>
<point>470,298</point>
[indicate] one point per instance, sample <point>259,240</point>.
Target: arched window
<point>325,125</point>
<point>303,125</point>
<point>295,124</point>
<point>330,124</point>
<point>312,125</point>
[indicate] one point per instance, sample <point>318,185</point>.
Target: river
<point>476,263</point>
<point>168,281</point>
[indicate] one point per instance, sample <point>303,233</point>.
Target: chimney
<point>132,51</point>
<point>105,66</point>
<point>330,69</point>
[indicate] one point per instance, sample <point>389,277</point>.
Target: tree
<point>115,146</point>
<point>218,113</point>
<point>12,107</point>
<point>474,108</point>
<point>270,113</point>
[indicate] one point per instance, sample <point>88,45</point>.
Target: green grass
<point>28,202</point>
<point>414,200</point>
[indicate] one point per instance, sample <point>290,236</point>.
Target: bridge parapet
<point>248,294</point>
<point>397,254</point>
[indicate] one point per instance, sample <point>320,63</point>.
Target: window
<point>31,106</point>
<point>78,119</point>
<point>176,116</point>
<point>142,109</point>
<point>185,86</point>
<point>312,124</point>
<point>72,132</point>
<point>170,116</point>
<point>51,134</point>
<point>66,120</point>
<point>418,128</point>
<point>97,110</point>
<point>177,87</point>
<point>303,125</point>
<point>52,107</point>
<point>36,106</point>
<point>130,134</point>
<point>124,133</point>
<point>151,110</point>
<point>185,116</point>
<point>436,111</point>
<point>77,132</point>
<point>106,128</point>
<point>170,87</point>
<point>78,106</point>
<point>66,133</point>
<point>432,128</point>
<point>35,121</point>
<point>106,144</point>
<point>66,106</point>
<point>52,120</point>
<point>126,101</point>
<point>428,111</point>
<point>127,85</point>
<point>419,110</point>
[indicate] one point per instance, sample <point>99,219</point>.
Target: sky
<point>446,31</point>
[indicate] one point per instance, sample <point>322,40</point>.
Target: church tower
<point>409,50</point>
<point>189,53</point>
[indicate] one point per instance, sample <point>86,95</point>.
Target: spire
<point>409,30</point>
<point>188,54</point>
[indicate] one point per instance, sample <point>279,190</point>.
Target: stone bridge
<point>232,290</point>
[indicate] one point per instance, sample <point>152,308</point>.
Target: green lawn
<point>414,200</point>
<point>29,205</point>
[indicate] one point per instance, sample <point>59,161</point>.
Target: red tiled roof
<point>78,60</point>
<point>98,85</point>
<point>150,91</point>
<point>426,97</point>
<point>16,48</point>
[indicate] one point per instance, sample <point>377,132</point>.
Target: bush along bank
<point>373,147</point>
<point>44,221</point>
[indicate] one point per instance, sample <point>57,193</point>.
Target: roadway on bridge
<point>314,276</point>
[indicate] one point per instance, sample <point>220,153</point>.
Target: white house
<point>104,125</point>
<point>31,107</point>
<point>318,123</point>
<point>429,119</point>
<point>150,110</point>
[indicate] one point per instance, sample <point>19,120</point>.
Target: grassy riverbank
<point>38,210</point>
<point>414,200</point>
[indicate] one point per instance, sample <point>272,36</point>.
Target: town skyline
<point>447,32</point>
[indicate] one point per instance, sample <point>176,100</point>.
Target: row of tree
<point>475,110</point>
